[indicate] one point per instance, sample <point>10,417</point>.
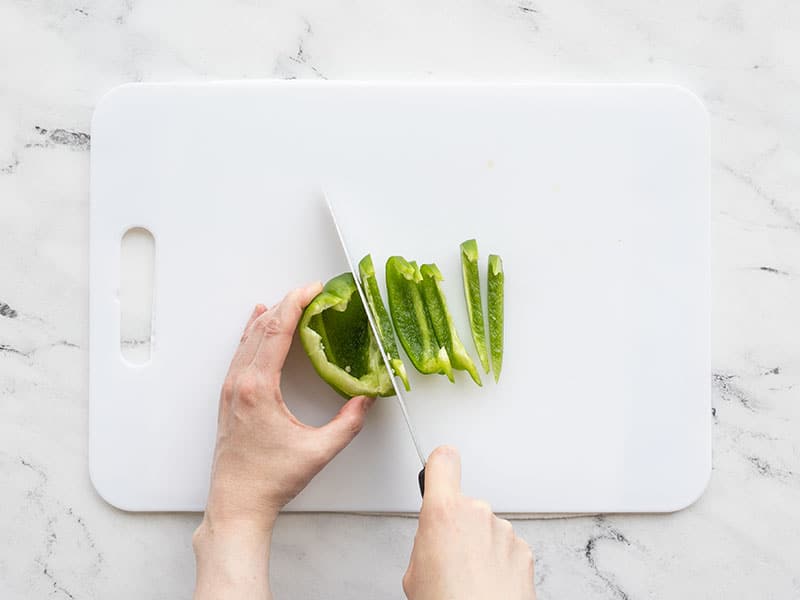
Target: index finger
<point>442,474</point>
<point>244,354</point>
<point>276,328</point>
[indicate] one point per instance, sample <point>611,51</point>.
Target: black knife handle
<point>421,479</point>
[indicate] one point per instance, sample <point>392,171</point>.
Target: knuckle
<point>354,426</point>
<point>248,387</point>
<point>274,325</point>
<point>482,508</point>
<point>505,527</point>
<point>269,325</point>
<point>436,511</point>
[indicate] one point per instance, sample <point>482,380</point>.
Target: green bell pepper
<point>495,312</point>
<point>442,321</point>
<point>411,320</point>
<point>366,271</point>
<point>472,292</point>
<point>336,336</point>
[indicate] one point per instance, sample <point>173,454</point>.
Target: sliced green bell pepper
<point>366,271</point>
<point>494,301</point>
<point>336,336</point>
<point>472,292</point>
<point>442,321</point>
<point>411,320</point>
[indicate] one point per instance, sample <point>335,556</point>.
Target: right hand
<point>462,551</point>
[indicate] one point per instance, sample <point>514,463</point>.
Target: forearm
<point>232,561</point>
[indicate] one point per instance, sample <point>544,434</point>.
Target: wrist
<point>247,531</point>
<point>231,555</point>
<point>227,513</point>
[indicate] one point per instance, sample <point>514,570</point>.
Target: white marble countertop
<point>741,540</point>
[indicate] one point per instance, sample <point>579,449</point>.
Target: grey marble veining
<point>741,540</point>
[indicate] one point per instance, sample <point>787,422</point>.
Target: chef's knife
<point>374,327</point>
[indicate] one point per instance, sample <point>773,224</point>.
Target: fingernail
<point>367,403</point>
<point>446,451</point>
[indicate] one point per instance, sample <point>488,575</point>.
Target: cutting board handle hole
<point>137,264</point>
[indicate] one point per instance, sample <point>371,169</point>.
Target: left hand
<point>264,455</point>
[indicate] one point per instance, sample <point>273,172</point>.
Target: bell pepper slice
<point>336,336</point>
<point>472,293</point>
<point>411,322</point>
<point>442,321</point>
<point>366,271</point>
<point>495,310</point>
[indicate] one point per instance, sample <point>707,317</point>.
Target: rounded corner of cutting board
<point>686,102</point>
<point>109,102</point>
<point>109,493</point>
<point>687,94</point>
<point>693,493</point>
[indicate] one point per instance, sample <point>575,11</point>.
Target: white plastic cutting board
<point>595,196</point>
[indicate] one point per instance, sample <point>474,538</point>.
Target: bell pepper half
<point>336,336</point>
<point>369,283</point>
<point>442,321</point>
<point>411,321</point>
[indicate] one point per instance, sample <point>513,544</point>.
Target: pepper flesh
<point>442,321</point>
<point>366,271</point>
<point>336,336</point>
<point>410,318</point>
<point>472,293</point>
<point>495,310</point>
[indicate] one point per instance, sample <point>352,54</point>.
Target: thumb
<point>341,430</point>
<point>442,473</point>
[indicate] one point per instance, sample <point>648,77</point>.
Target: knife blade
<point>374,327</point>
